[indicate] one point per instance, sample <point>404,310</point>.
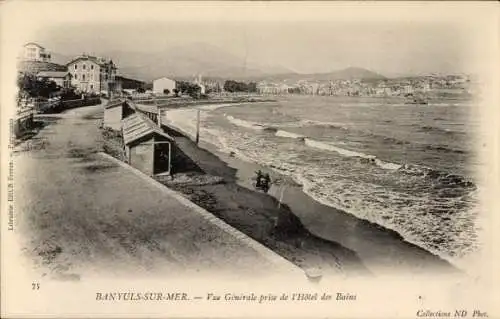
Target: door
<point>162,157</point>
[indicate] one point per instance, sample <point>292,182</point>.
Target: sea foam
<point>439,225</point>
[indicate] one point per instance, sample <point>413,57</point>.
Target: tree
<point>69,94</point>
<point>176,91</point>
<point>252,87</point>
<point>189,88</point>
<point>36,88</point>
<point>166,91</point>
<point>234,86</point>
<point>141,90</point>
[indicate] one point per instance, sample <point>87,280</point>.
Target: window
<point>76,76</point>
<point>83,77</point>
<point>76,66</point>
<point>92,67</point>
<point>91,87</point>
<point>84,66</point>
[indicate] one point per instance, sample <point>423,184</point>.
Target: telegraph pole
<point>159,116</point>
<point>197,126</point>
<point>283,186</point>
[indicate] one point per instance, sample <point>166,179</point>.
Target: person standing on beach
<point>266,182</point>
<point>258,182</point>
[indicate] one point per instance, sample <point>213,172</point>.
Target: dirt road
<point>81,213</point>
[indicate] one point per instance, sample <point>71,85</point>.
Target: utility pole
<point>283,186</point>
<point>197,126</point>
<point>282,182</point>
<point>159,116</point>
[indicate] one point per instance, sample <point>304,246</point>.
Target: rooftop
<point>95,59</point>
<point>114,103</point>
<point>53,74</point>
<point>137,126</point>
<point>151,108</point>
<point>33,43</point>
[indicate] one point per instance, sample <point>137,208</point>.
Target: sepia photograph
<point>249,159</point>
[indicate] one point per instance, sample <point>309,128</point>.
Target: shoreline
<point>381,250</point>
<point>254,213</point>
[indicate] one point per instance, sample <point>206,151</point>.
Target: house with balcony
<point>92,74</point>
<point>35,52</point>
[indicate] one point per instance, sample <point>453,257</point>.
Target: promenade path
<point>80,212</point>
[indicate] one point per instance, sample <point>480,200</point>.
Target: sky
<point>304,39</point>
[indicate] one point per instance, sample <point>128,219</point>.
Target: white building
<point>198,81</point>
<point>426,86</point>
<point>408,89</point>
<point>92,74</point>
<point>162,84</point>
<point>203,89</point>
<point>35,52</point>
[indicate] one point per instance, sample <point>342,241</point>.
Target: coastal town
<point>290,159</point>
<point>98,76</point>
<point>114,123</point>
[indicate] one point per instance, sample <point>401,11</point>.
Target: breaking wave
<point>282,133</point>
<point>324,124</point>
<point>444,149</point>
<point>428,128</point>
<point>369,159</point>
<point>245,124</point>
<point>428,207</point>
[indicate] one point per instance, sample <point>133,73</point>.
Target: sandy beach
<point>257,214</point>
<point>314,235</point>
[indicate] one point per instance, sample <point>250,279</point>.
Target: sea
<point>410,168</point>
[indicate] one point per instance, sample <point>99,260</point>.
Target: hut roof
<point>137,126</point>
<point>146,108</point>
<point>114,103</point>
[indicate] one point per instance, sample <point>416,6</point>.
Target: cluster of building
<point>359,87</point>
<point>85,73</point>
<point>91,74</point>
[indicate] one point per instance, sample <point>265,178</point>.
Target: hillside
<point>187,61</point>
<point>353,73</point>
<point>344,74</point>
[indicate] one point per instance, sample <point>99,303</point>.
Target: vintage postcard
<point>249,159</point>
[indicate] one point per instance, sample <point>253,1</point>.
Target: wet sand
<point>356,244</point>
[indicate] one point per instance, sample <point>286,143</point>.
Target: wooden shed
<point>115,112</point>
<point>147,147</point>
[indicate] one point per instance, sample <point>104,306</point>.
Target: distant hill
<point>344,74</point>
<point>187,61</point>
<point>353,73</point>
